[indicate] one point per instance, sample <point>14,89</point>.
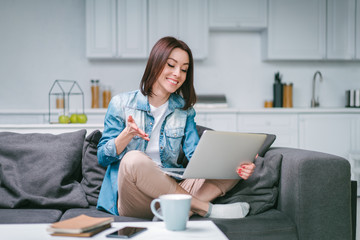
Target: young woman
<point>144,130</point>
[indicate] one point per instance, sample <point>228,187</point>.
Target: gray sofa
<point>293,193</point>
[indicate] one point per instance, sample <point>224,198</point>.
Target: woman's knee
<point>134,160</point>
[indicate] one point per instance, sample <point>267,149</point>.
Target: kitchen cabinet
<point>284,126</point>
<point>100,28</point>
<point>312,30</point>
<point>357,29</point>
<point>237,14</point>
<point>341,29</point>
<point>219,121</point>
<point>296,30</point>
<point>330,133</point>
<point>184,19</point>
<point>50,128</point>
<point>132,28</point>
<point>116,28</point>
<point>127,29</point>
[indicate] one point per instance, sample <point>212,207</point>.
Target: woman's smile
<point>172,81</point>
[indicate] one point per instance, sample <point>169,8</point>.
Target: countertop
<point>102,111</point>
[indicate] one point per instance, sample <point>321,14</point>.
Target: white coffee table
<point>156,230</point>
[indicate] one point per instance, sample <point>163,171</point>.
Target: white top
<point>152,149</point>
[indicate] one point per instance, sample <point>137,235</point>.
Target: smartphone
<point>126,232</point>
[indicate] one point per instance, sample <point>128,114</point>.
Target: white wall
<point>44,40</point>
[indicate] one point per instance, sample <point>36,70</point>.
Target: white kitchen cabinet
<point>218,121</point>
<point>296,30</point>
<point>284,126</point>
<point>23,118</point>
<point>357,29</point>
<point>132,37</point>
<point>50,128</point>
<point>100,28</point>
<point>237,14</point>
<point>312,30</point>
<point>116,28</point>
<point>184,19</point>
<point>330,133</point>
<point>341,29</point>
<point>355,135</point>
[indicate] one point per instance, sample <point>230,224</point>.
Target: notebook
<point>218,154</point>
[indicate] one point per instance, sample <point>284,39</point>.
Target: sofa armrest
<point>315,192</point>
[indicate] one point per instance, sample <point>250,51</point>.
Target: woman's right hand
<point>133,129</point>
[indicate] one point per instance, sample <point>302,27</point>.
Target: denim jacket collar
<point>175,101</point>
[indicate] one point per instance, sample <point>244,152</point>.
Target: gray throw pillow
<point>41,170</point>
<point>93,173</point>
<point>269,140</point>
<point>261,189</point>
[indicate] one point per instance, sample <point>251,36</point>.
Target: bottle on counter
<point>278,91</point>
<point>95,93</point>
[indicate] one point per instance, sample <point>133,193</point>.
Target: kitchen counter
<point>301,110</point>
<point>204,110</point>
<point>49,128</point>
<point>96,116</point>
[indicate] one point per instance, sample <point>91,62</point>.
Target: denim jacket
<point>178,128</point>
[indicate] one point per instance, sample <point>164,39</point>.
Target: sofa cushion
<point>261,189</point>
<point>270,225</point>
<point>269,140</point>
<point>93,173</point>
<point>9,216</point>
<point>40,170</point>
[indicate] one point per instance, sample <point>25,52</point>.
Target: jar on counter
<point>59,102</point>
<point>95,93</point>
<point>106,94</point>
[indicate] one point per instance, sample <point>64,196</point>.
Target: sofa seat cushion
<point>93,212</point>
<point>41,170</point>
<point>10,216</point>
<point>269,225</point>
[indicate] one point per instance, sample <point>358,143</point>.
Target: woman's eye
<point>170,65</point>
<point>184,70</point>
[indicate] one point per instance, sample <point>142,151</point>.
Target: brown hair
<point>156,63</point>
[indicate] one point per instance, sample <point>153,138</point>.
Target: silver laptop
<point>218,154</point>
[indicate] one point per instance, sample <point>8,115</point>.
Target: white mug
<point>175,210</point>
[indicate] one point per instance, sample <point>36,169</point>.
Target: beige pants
<point>141,180</point>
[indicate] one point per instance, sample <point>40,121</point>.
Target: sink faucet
<point>315,102</point>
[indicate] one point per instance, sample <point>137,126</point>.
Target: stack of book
<point>80,226</point>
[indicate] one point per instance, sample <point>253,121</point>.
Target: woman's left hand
<point>245,170</point>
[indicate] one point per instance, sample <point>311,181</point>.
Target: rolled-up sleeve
<point>114,124</point>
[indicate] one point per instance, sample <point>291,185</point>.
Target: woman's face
<point>173,74</point>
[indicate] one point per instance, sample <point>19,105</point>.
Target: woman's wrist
<point>122,140</point>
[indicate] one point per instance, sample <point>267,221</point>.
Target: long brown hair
<point>156,63</point>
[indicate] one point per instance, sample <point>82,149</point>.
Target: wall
<point>44,40</point>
